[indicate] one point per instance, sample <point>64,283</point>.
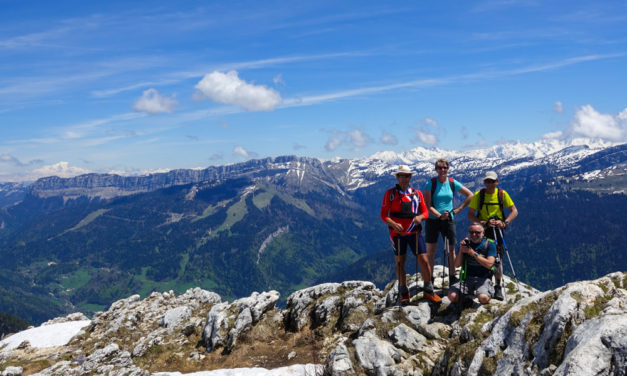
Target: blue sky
<point>131,87</point>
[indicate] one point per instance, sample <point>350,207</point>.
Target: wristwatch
<point>506,223</point>
<point>476,255</point>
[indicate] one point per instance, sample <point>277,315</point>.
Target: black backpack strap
<point>481,201</point>
<point>500,196</point>
<point>451,182</point>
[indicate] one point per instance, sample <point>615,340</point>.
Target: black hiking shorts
<point>415,242</point>
<point>436,227</point>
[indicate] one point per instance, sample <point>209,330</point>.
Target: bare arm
<point>466,192</point>
<point>513,213</point>
<point>473,218</point>
<point>460,255</point>
<point>486,262</point>
<point>427,195</point>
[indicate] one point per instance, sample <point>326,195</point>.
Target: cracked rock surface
<point>348,328</point>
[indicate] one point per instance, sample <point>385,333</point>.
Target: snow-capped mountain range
<point>505,159</point>
<point>345,175</point>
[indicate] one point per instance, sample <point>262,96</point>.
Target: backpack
<point>483,246</point>
<point>406,207</point>
<point>482,202</point>
<point>434,181</point>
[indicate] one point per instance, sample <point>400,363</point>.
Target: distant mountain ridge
<point>342,175</point>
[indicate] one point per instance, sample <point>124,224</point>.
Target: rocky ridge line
<point>350,328</point>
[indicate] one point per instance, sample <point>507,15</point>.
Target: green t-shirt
<point>490,204</point>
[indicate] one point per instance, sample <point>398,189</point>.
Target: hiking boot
<point>429,294</point>
<point>498,292</point>
<point>432,296</point>
<point>404,293</point>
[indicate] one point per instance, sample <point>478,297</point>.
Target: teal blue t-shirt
<point>442,200</point>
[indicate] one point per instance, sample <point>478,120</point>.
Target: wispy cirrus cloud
<point>177,77</point>
<point>439,81</point>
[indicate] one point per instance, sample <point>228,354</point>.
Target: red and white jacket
<point>391,208</point>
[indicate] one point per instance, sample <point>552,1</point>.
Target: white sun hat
<point>403,169</point>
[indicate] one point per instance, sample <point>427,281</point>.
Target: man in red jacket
<point>403,209</point>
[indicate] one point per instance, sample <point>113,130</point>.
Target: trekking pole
<point>462,284</point>
<point>444,259</point>
<point>416,276</point>
<point>500,257</point>
<point>507,253</point>
<point>398,271</point>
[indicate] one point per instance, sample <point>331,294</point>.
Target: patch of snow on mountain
<point>293,370</point>
<point>248,190</point>
<point>46,335</point>
<point>591,175</point>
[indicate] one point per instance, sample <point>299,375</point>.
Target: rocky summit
<point>349,328</point>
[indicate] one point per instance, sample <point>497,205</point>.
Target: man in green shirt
<point>487,207</point>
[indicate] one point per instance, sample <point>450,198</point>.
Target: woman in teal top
<point>438,194</point>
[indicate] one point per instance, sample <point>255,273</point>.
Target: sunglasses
<point>475,232</point>
<point>441,167</point>
<point>489,181</point>
<point>403,175</point>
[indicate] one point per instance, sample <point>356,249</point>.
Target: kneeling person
<point>476,257</point>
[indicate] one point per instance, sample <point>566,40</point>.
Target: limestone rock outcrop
<point>349,328</point>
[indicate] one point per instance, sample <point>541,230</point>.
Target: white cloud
<point>153,103</point>
<point>61,169</point>
<point>228,88</point>
<point>241,152</point>
<point>333,143</point>
<point>427,132</point>
<point>353,138</point>
<point>589,122</point>
<point>427,138</point>
<point>558,107</point>
<point>431,122</point>
<point>388,139</point>
<point>358,138</point>
<point>553,135</point>
<point>238,150</point>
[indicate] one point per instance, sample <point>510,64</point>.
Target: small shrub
<point>596,307</point>
<point>488,366</point>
